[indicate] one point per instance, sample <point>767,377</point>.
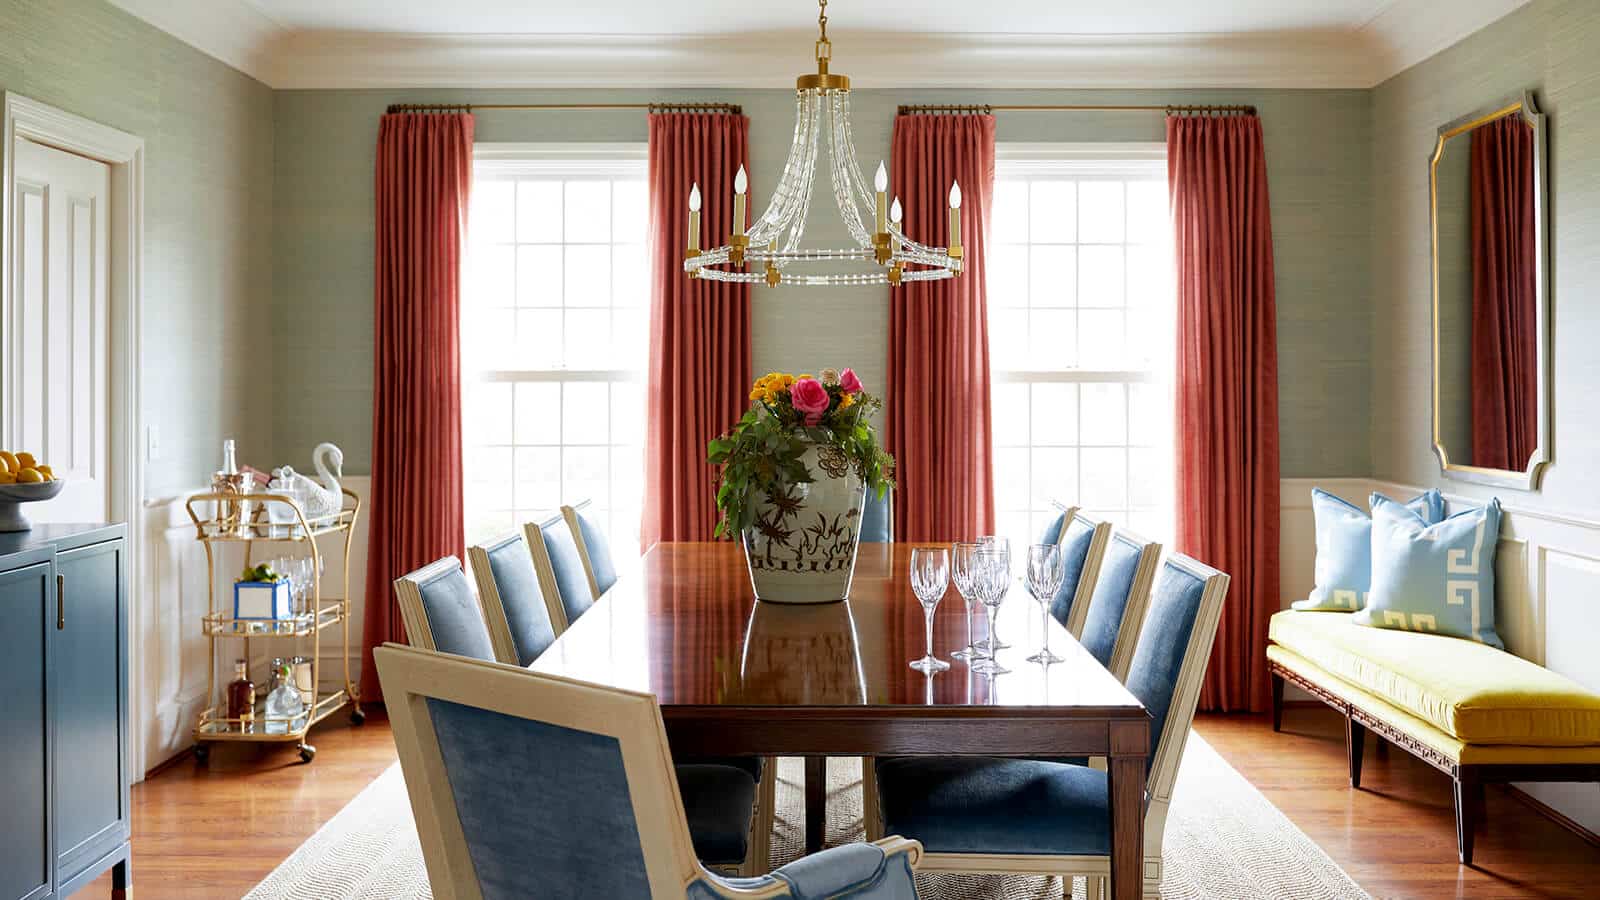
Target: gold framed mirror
<point>1491,341</point>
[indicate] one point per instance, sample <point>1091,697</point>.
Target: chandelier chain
<point>822,18</point>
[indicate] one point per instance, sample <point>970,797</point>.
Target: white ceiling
<point>765,43</point>
<point>733,16</point>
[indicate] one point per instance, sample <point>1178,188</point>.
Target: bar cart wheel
<point>357,716</point>
<point>307,753</point>
<point>202,753</point>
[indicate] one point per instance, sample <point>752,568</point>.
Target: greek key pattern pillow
<point>1344,549</point>
<point>1435,578</point>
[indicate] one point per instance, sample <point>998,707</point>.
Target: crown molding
<point>1406,32</point>
<point>236,32</point>
<point>1400,35</point>
<point>773,60</point>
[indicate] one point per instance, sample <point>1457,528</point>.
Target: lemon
<point>46,472</point>
<point>7,478</point>
<point>25,460</point>
<point>29,476</point>
<point>8,462</point>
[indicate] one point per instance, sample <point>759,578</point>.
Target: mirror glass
<point>1488,179</point>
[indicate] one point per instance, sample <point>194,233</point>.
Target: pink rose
<point>849,382</point>
<point>809,397</point>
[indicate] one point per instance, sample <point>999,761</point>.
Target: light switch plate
<point>153,443</point>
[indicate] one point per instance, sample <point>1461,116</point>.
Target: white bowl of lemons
<point>23,479</point>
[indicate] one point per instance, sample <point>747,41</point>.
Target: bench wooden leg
<point>1277,702</point>
<point>1355,744</point>
<point>1469,800</point>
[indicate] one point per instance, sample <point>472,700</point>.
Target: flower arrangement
<point>761,455</point>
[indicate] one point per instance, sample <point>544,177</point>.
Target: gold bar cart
<point>241,518</point>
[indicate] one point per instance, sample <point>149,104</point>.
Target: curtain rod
<point>988,108</point>
<point>731,108</point>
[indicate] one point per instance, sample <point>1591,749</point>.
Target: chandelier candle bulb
<point>741,184</point>
<point>955,218</point>
<point>694,219</point>
<point>880,182</point>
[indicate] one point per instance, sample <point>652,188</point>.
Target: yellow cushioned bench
<point>1476,713</point>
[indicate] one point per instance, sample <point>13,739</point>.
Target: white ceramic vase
<point>802,547</point>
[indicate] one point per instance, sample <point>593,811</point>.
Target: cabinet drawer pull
<point>61,602</point>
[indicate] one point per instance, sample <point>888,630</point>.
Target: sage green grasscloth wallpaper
<point>208,134</point>
<point>1548,47</point>
<point>1319,162</point>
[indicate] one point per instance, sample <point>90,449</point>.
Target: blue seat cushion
<point>719,802</point>
<point>987,805</point>
<point>751,764</point>
<point>1074,554</point>
<point>454,617</point>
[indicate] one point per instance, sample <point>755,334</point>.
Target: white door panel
<point>58,336</point>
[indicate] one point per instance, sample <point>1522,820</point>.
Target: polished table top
<point>686,627</point>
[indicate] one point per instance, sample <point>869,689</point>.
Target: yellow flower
<point>847,401</point>
<point>807,375</point>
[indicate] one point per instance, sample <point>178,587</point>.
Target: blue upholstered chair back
<point>593,544</point>
<point>528,785</point>
<point>441,612</point>
<point>877,518</point>
<point>1116,607</point>
<point>1074,553</point>
<point>566,829</point>
<point>557,553</point>
<point>1173,649</point>
<point>513,603</point>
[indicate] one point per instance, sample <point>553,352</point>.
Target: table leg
<point>1126,774</point>
<point>816,802</point>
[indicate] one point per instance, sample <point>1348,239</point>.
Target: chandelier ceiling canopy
<point>769,250</point>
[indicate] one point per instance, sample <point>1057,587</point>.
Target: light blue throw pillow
<point>1344,549</point>
<point>1436,578</point>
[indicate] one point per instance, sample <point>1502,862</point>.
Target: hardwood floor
<point>1396,835</point>
<point>215,832</point>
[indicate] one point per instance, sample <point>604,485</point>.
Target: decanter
<point>284,703</point>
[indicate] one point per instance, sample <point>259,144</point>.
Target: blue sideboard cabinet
<point>63,710</point>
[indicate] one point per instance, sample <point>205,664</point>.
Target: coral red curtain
<point>1505,356</point>
<point>424,176</point>
<point>699,370</point>
<point>937,397</point>
<point>1227,387</point>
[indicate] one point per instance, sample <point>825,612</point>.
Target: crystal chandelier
<point>769,250</point>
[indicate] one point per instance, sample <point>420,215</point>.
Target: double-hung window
<point>554,312</point>
<point>1081,313</point>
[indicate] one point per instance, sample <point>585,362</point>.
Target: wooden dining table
<point>735,677</point>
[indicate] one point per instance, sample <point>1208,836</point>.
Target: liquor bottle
<point>242,696</point>
<point>230,464</point>
<point>284,703</point>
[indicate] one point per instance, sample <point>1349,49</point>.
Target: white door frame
<point>124,153</point>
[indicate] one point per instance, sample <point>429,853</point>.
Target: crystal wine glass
<point>963,559</point>
<point>994,576</point>
<point>930,577</point>
<point>993,642</point>
<point>1044,579</point>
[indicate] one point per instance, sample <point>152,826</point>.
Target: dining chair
<point>496,819</point>
<point>877,518</point>
<point>563,580</point>
<point>1083,543</point>
<point>513,604</point>
<point>990,815</point>
<point>440,613</point>
<point>594,550</point>
<point>1117,604</point>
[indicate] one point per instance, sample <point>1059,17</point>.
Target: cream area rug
<point>1224,840</point>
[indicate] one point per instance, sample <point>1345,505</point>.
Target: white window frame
<point>1081,162</point>
<point>507,161</point>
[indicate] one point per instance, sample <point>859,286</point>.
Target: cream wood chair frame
<point>1091,563</point>
<point>533,533</point>
<point>494,610</point>
<point>1163,770</point>
<point>1144,577</point>
<point>411,676</point>
<point>571,513</point>
<point>413,614</point>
